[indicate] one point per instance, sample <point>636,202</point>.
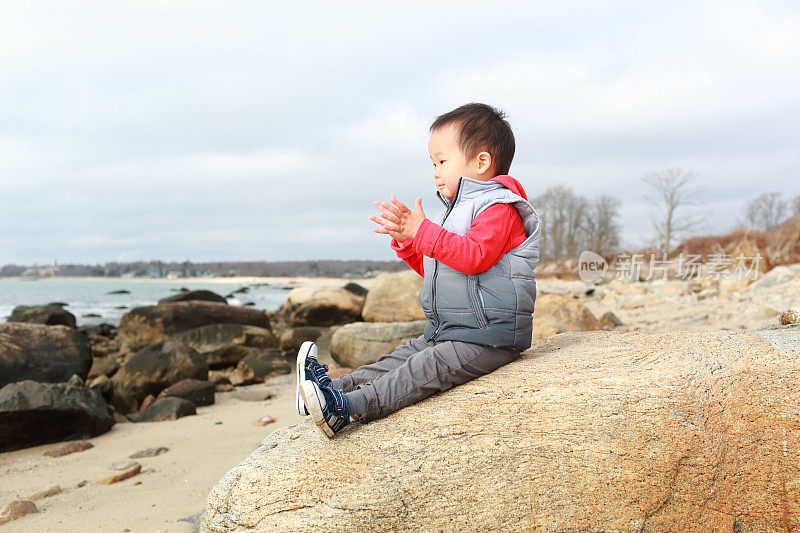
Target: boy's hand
<point>399,221</point>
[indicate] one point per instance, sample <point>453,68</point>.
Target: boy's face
<point>450,163</point>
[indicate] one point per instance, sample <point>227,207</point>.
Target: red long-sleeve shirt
<point>495,231</point>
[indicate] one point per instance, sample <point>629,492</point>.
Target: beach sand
<point>171,486</point>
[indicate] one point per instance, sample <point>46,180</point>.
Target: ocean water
<point>91,296</point>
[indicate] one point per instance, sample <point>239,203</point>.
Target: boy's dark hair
<point>481,128</point>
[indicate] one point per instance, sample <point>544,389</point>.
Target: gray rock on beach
<point>153,369</point>
<point>198,392</point>
<point>221,343</point>
<point>361,343</point>
<point>149,324</point>
<point>167,408</point>
<point>587,431</point>
<point>33,413</point>
<point>42,353</point>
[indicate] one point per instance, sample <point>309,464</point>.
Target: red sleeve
<point>406,253</point>
<point>493,232</point>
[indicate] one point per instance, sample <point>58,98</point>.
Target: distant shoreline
<point>276,280</point>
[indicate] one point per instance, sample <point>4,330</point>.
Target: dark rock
<point>91,315</point>
<point>42,353</point>
<point>122,399</point>
<point>167,408</point>
<point>293,338</point>
<point>158,366</point>
<point>249,304</point>
<point>103,366</point>
<point>198,392</point>
<point>121,291</point>
<point>101,330</point>
<point>321,314</point>
<point>201,295</point>
<point>261,364</point>
<point>146,325</point>
<point>355,288</point>
<point>219,380</point>
<point>610,321</point>
<point>242,290</point>
<point>220,343</point>
<point>33,413</point>
<point>51,314</point>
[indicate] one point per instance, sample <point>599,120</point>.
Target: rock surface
<point>198,392</point>
<point>587,431</point>
<point>220,343</point>
<point>149,324</point>
<point>293,338</point>
<point>50,354</point>
<point>201,295</point>
<point>16,508</point>
<point>33,413</point>
<point>394,297</point>
<point>361,343</point>
<point>260,364</point>
<point>167,408</point>
<point>322,306</point>
<point>158,366</point>
<point>51,314</point>
<point>555,313</point>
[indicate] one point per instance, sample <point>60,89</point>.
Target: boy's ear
<point>484,162</point>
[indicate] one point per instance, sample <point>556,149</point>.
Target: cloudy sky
<point>225,130</point>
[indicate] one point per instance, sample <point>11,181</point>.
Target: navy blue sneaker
<point>328,407</point>
<point>308,368</point>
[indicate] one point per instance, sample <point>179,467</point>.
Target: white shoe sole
<point>302,355</point>
<point>314,400</point>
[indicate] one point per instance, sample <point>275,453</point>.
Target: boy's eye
<point>441,162</point>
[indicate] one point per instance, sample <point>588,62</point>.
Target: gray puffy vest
<point>493,308</point>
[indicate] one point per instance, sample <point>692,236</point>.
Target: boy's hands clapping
<point>398,221</point>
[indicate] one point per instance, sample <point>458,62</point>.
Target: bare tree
<point>767,211</point>
<point>564,218</point>
<point>673,189</point>
<point>796,205</point>
<point>602,230</point>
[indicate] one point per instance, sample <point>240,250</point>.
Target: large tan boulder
<point>361,343</point>
<point>394,297</point>
<point>554,313</point>
<point>322,306</point>
<point>587,431</point>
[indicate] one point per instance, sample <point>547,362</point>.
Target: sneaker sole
<point>314,401</point>
<point>302,355</point>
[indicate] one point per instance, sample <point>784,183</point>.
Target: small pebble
<point>264,420</point>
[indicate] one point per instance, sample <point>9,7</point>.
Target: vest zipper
<point>436,264</point>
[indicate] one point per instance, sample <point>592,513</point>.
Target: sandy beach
<point>171,486</point>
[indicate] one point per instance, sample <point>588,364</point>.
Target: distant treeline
<point>158,269</point>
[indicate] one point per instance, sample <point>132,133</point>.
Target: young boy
<point>477,257</point>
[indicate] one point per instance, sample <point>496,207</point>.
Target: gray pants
<point>418,369</point>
